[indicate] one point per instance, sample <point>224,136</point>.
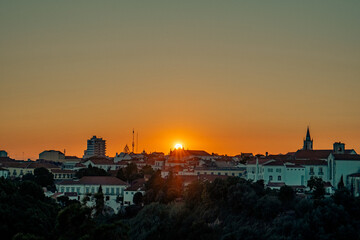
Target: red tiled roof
<point>186,153</point>
<point>44,165</point>
<point>316,154</point>
<point>274,163</point>
<point>102,180</point>
<point>312,154</point>
<point>79,165</point>
<point>101,161</point>
<point>351,157</point>
<point>136,185</point>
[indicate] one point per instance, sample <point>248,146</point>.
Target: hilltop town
<point>122,178</point>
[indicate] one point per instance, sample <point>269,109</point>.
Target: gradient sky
<point>222,76</point>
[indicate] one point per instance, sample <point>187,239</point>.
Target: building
<point>221,171</point>
<point>20,168</point>
<point>102,163</point>
<point>4,173</point>
<point>62,174</point>
<point>308,142</point>
<point>137,186</point>
<point>112,188</point>
<point>95,147</point>
<point>3,153</point>
<point>52,155</point>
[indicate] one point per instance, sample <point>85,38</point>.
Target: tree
<point>91,171</point>
<point>99,203</point>
<point>138,198</point>
<point>286,194</point>
<point>147,170</point>
<point>129,173</point>
<point>43,177</point>
<point>316,185</point>
<point>74,222</point>
<point>32,189</point>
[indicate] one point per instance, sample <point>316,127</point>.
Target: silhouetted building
<point>308,142</point>
<point>52,155</point>
<point>3,153</point>
<point>95,147</point>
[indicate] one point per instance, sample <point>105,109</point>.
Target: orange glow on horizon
<point>178,146</point>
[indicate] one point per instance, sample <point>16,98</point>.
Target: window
<point>117,191</point>
<point>87,190</point>
<point>112,190</point>
<point>72,189</point>
<point>233,174</point>
<point>321,171</point>
<point>219,173</point>
<point>107,190</point>
<point>311,170</point>
<point>279,178</point>
<point>67,189</point>
<point>212,173</point>
<point>270,178</point>
<point>278,170</point>
<point>205,173</point>
<point>226,174</point>
<point>62,189</point>
<point>270,170</point>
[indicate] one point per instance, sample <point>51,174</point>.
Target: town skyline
<point>176,143</point>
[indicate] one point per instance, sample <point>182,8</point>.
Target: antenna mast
<point>133,141</point>
<point>137,141</point>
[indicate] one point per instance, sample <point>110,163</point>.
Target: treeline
<point>231,208</point>
<point>238,209</point>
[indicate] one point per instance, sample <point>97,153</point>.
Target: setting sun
<point>178,146</point>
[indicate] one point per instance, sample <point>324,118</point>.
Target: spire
<point>308,138</point>
<point>308,142</point>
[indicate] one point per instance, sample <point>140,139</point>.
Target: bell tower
<point>308,142</point>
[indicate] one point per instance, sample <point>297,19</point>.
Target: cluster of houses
<point>293,169</point>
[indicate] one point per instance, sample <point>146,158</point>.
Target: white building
<point>122,157</point>
<point>4,173</point>
<point>102,163</point>
<point>112,188</point>
<point>221,171</point>
<point>129,193</point>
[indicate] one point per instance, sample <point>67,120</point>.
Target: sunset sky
<point>221,76</point>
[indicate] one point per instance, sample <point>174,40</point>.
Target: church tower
<point>308,142</point>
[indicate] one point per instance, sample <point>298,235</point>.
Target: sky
<point>222,76</point>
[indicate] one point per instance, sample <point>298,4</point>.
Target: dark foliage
<point>91,171</point>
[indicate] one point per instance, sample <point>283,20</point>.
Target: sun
<point>178,146</point>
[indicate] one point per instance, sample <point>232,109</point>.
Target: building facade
<point>95,147</point>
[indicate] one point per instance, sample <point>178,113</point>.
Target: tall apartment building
<point>95,147</point>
